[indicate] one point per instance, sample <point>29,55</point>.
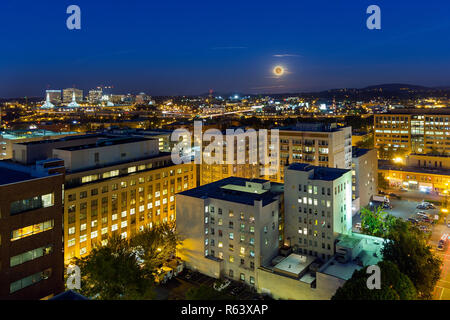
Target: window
<point>231,236</point>
<point>42,201</point>
<point>242,277</point>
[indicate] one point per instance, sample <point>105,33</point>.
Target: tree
<point>408,249</point>
<point>383,183</point>
<point>394,285</point>
<point>205,293</point>
<point>112,272</point>
<point>156,245</point>
<point>377,222</point>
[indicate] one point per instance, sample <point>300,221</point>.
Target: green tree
<point>205,293</point>
<point>408,249</point>
<point>156,245</point>
<point>377,222</point>
<point>394,285</point>
<point>112,272</point>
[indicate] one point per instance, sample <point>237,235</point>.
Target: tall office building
<point>31,230</point>
<point>420,131</point>
<point>54,96</point>
<point>68,95</point>
<point>230,227</point>
<point>318,208</point>
<point>95,96</point>
<point>318,144</point>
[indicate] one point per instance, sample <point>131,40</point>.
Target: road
<point>442,290</point>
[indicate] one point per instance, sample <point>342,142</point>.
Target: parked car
<point>403,189</point>
<point>358,225</point>
<point>413,220</point>
<point>381,192</point>
<point>394,195</point>
<point>220,285</point>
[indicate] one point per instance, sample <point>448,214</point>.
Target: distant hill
<point>396,87</point>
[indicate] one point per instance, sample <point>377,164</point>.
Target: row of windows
<point>31,230</point>
<point>30,280</point>
<point>31,255</point>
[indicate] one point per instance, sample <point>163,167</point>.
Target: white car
<point>358,225</point>
<point>221,285</point>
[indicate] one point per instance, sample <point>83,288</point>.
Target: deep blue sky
<point>189,46</point>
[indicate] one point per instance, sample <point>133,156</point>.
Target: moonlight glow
<point>278,71</point>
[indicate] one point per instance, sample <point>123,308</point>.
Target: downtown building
<point>230,227</point>
<point>326,145</point>
<point>31,247</point>
<point>69,93</point>
<point>318,208</point>
<point>364,177</point>
<point>114,185</point>
<point>229,230</point>
<point>419,131</point>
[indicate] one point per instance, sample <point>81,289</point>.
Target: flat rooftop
<point>340,270</point>
<point>8,176</point>
<point>320,173</point>
<point>386,165</point>
<point>359,152</point>
<point>420,111</point>
<point>312,127</point>
<point>67,138</point>
<point>104,143</point>
<point>27,134</point>
<point>221,190</point>
<point>294,264</point>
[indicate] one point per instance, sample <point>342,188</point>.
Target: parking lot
<point>176,288</point>
<point>402,208</point>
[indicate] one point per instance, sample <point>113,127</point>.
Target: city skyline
<point>180,49</point>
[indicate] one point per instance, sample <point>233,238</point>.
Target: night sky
<point>181,47</point>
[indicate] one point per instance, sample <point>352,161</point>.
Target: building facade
<point>318,208</point>
<point>420,131</point>
<point>30,233</point>
<point>68,95</point>
<point>230,227</point>
<point>364,176</point>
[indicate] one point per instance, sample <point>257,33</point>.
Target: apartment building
<point>325,145</point>
<point>364,176</point>
<point>318,208</point>
<point>314,143</point>
<point>230,227</point>
<point>31,232</point>
<point>113,185</point>
<point>420,131</point>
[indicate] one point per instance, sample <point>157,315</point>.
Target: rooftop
<point>222,190</point>
<point>8,176</point>
<point>294,264</point>
<point>104,143</point>
<point>27,134</point>
<point>359,152</point>
<point>313,127</point>
<point>387,165</point>
<point>421,111</point>
<point>320,173</point>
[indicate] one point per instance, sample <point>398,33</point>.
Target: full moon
<point>278,71</point>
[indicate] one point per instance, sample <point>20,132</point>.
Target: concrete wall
<point>286,288</point>
<point>85,158</point>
